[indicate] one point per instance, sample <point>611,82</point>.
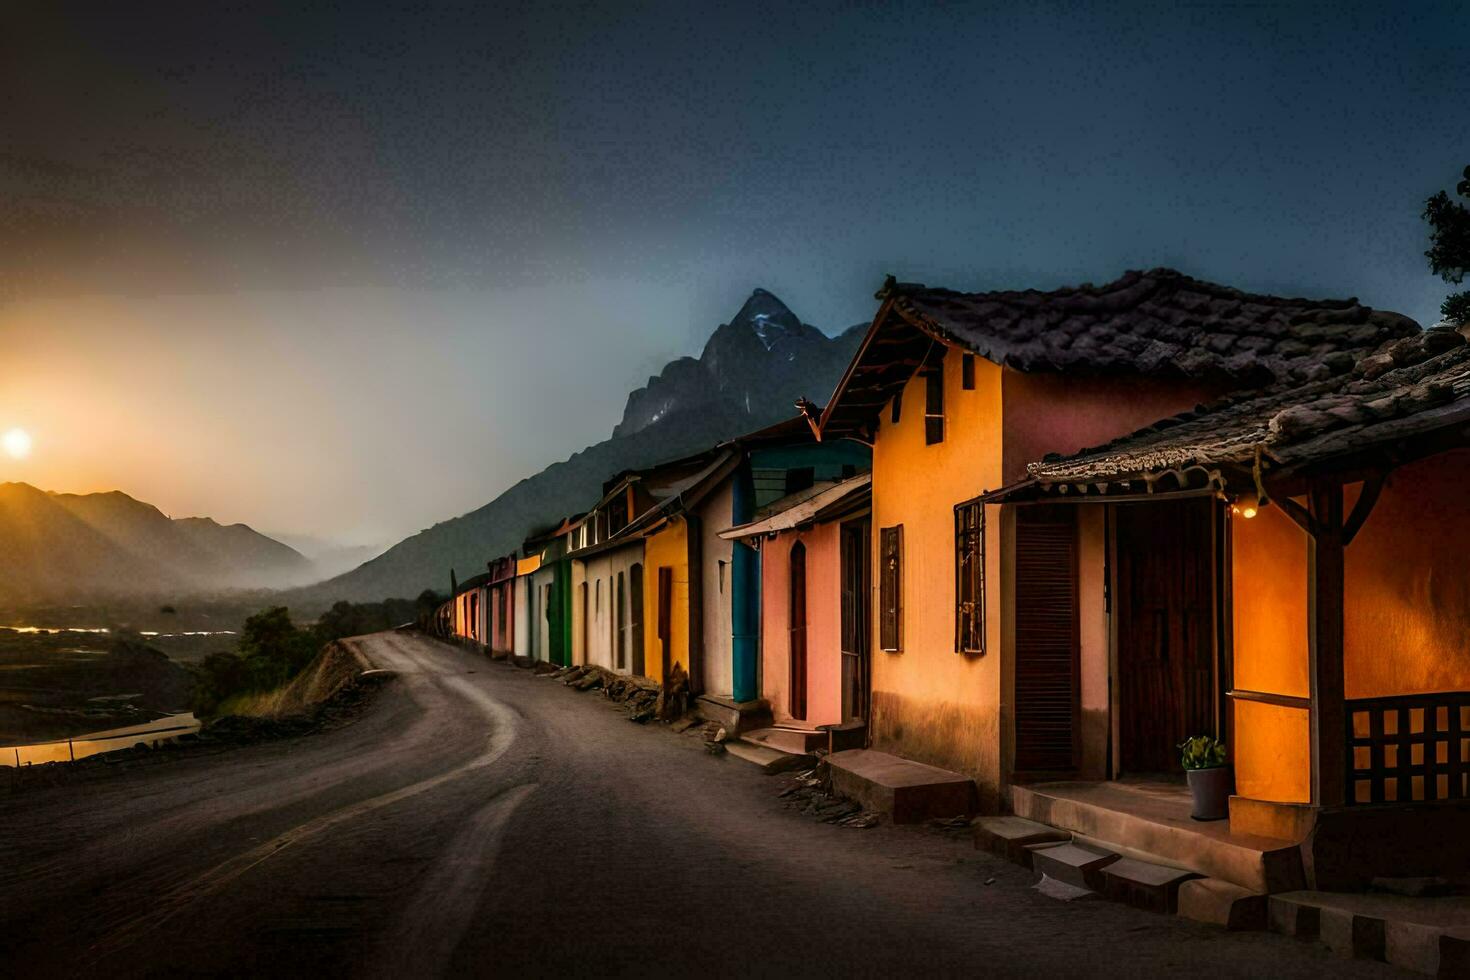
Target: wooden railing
<point>1409,749</point>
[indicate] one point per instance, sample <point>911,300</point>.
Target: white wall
<point>601,574</point>
<point>717,657</point>
<point>523,616</point>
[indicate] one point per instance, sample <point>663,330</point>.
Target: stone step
<point>1426,935</point>
<point>1222,903</point>
<point>1153,887</point>
<point>1078,866</point>
<point>797,741</point>
<point>1008,837</point>
<point>736,717</point>
<point>1151,824</point>
<point>770,760</point>
<point>908,791</point>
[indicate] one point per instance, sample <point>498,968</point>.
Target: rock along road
<point>479,820</point>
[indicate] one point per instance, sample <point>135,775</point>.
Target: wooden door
<point>1047,700</point>
<point>635,616</point>
<point>796,630</point>
<point>855,644</point>
<point>666,617</point>
<point>1165,631</point>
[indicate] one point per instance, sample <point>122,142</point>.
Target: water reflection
<point>152,734</point>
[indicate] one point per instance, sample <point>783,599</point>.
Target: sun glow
<point>17,443</point>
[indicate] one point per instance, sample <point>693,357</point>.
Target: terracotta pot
<point>1211,789</point>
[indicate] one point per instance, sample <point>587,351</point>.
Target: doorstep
<point>908,791</point>
<point>734,716</point>
<point>769,759</point>
<point>797,741</point>
<point>1151,820</point>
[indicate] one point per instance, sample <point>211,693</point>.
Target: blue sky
<point>516,197</point>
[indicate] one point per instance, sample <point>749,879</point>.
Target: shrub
<point>1202,752</point>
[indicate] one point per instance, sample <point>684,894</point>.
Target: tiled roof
<point>1406,388</point>
<point>1155,322</point>
<point>1159,323</point>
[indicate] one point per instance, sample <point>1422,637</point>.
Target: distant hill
<point>748,376</point>
<point>100,545</point>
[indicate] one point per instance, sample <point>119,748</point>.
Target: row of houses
<point>1039,538</point>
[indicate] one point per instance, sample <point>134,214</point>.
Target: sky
<point>347,270</point>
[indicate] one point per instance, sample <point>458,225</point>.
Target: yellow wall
<point>1269,591</point>
<point>1271,744</point>
<point>1407,609</point>
<point>1271,752</point>
<point>668,547</point>
<point>930,703</point>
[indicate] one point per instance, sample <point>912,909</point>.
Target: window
<point>934,399</point>
<point>967,372</point>
<point>897,409</point>
<point>890,588</point>
<point>969,578</point>
<point>617,515</point>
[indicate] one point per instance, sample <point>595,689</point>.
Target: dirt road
<point>479,820</point>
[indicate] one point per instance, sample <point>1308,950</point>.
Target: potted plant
<point>1203,757</point>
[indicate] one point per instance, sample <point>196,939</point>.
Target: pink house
<point>815,582</point>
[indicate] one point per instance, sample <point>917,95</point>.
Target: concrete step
<point>1221,903</point>
<point>770,760</point>
<point>736,717</point>
<point>797,741</point>
<point>1153,824</point>
<point>1077,866</point>
<point>1426,935</point>
<point>1144,885</point>
<point>908,791</point>
<point>1008,837</point>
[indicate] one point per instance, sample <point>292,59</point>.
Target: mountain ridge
<point>748,375</point>
<point>111,545</point>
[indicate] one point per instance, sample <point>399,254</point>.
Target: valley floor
<point>478,819</point>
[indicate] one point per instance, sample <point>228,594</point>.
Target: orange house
<point>1304,556</point>
<point>956,393</point>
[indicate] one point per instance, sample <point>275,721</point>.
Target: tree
<point>273,649</point>
<point>1449,247</point>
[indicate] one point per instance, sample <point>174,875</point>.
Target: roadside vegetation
<point>273,650</point>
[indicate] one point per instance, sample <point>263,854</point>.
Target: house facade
<point>815,584</point>
<point>956,393</point>
<point>1330,649</point>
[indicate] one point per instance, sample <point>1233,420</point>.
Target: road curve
<point>479,820</point>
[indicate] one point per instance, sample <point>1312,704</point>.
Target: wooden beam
<point>1325,625</point>
<point>1299,514</point>
<point>1372,487</point>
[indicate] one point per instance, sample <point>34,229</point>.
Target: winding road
<point>479,820</point>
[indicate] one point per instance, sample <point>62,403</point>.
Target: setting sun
<point>17,443</point>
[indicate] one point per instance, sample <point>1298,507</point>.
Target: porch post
<point>1325,623</point>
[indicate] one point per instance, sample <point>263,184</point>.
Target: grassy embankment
<point>281,669</point>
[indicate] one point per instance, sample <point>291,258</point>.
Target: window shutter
<point>969,573</point>
<point>890,588</point>
<point>1047,648</point>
